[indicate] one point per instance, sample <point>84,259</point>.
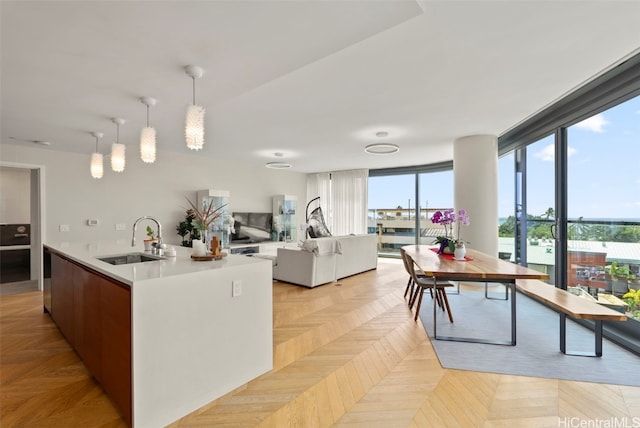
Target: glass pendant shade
<point>148,145</point>
<point>194,127</point>
<point>97,169</point>
<point>117,157</point>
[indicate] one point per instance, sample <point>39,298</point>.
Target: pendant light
<point>194,124</point>
<point>148,135</point>
<point>117,149</point>
<point>97,169</point>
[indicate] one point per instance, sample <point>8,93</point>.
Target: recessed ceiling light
<point>278,165</point>
<point>381,149</point>
<point>278,154</point>
<point>382,134</point>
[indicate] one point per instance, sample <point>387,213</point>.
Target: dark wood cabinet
<point>116,342</point>
<point>62,297</point>
<point>93,312</point>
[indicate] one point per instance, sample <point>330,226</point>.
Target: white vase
<point>460,252</point>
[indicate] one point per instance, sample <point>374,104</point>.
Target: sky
<point>603,173</point>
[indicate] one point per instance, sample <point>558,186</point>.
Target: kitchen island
<point>162,337</point>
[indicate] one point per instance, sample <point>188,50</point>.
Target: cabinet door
<point>77,274</point>
<point>92,323</point>
<point>62,296</point>
<point>116,343</point>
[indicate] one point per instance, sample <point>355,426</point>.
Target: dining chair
<point>407,261</point>
<point>410,284</point>
<point>427,283</point>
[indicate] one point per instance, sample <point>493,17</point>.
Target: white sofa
<point>323,260</point>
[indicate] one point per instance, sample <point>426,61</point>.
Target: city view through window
<point>603,206</point>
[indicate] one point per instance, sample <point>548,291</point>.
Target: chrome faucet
<point>135,225</point>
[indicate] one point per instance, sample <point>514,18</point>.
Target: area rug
<point>537,351</point>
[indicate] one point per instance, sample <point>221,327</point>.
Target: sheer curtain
<point>320,185</point>
<point>349,190</point>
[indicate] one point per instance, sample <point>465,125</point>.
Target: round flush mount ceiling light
<point>278,165</point>
<point>381,149</point>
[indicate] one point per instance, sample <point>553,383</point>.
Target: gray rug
<point>537,352</point>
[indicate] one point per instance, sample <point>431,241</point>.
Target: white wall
<point>14,195</point>
<point>72,196</point>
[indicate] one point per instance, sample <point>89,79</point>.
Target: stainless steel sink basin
<point>125,259</point>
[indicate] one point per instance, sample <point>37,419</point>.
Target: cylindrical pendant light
<point>194,124</point>
<point>148,135</point>
<point>117,149</point>
<point>97,169</point>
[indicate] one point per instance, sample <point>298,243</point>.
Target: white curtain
<point>319,185</point>
<point>349,191</point>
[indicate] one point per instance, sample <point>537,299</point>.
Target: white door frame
<point>37,216</point>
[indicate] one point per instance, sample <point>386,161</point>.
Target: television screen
<point>251,227</point>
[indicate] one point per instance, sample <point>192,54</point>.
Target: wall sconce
<point>194,124</point>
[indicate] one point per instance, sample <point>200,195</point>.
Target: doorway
<point>23,225</point>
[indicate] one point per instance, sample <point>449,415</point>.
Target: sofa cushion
<point>321,246</point>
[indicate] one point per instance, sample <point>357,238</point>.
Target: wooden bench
<point>567,304</point>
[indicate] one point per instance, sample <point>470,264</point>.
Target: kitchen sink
<point>129,258</point>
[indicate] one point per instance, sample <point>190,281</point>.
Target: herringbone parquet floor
<point>346,354</point>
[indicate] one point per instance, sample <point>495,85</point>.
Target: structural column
<point>475,176</point>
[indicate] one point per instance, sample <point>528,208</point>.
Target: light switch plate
<point>121,226</point>
<point>64,228</point>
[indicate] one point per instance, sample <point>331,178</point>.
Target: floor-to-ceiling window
<point>578,184</point>
<point>540,206</point>
<point>436,194</point>
<point>402,201</point>
<point>603,202</point>
<point>391,216</point>
<point>506,208</point>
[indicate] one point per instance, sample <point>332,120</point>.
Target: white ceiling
<point>313,80</point>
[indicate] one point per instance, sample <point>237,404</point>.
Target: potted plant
<point>447,242</point>
<point>617,278</point>
<point>632,298</point>
<point>151,238</point>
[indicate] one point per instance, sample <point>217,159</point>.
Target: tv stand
<point>269,247</point>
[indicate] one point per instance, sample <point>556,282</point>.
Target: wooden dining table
<point>477,267</point>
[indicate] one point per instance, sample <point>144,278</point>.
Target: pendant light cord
<point>147,115</point>
<point>96,144</point>
<point>194,90</point>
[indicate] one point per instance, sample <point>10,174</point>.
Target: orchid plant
<point>449,220</point>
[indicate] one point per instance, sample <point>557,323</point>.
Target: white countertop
<point>86,254</point>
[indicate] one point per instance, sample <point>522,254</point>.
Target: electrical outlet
<point>121,226</point>
<point>236,288</point>
<point>64,228</point>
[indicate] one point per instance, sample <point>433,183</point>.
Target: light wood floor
<point>344,355</point>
